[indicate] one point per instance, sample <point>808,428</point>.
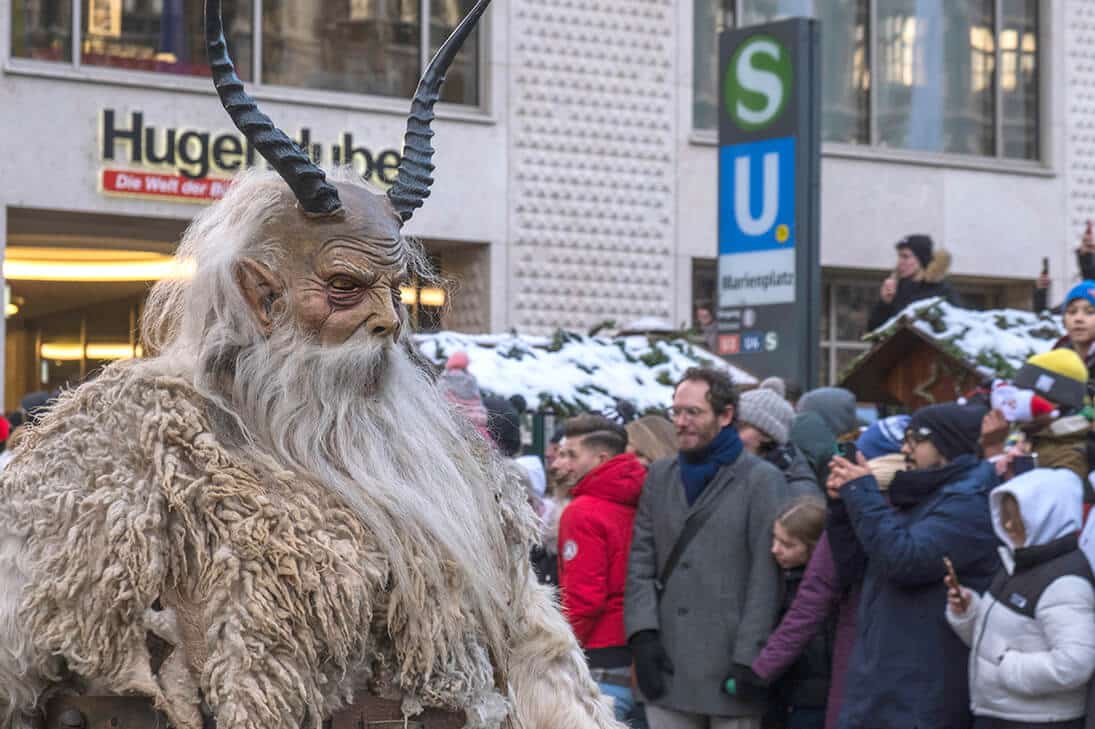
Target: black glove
<point>651,662</point>
<point>746,685</point>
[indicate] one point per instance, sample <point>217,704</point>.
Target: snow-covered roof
<point>571,372</point>
<point>996,341</point>
<point>648,324</point>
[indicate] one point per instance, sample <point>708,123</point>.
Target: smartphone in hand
<point>952,583</point>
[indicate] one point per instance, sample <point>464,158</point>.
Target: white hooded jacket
<point>1032,634</point>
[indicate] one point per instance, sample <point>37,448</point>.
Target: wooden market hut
<point>909,369</point>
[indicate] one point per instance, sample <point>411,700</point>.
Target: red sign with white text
<point>157,185</point>
<point>729,344</point>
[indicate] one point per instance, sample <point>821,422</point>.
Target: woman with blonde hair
<point>651,438</point>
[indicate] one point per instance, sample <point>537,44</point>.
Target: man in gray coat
<point>702,588</point>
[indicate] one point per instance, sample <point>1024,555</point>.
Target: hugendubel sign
<point>197,165</point>
<point>769,281</point>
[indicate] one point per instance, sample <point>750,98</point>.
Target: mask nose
<point>381,318</point>
<point>383,326</point>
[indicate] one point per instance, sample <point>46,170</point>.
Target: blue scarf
<point>699,467</point>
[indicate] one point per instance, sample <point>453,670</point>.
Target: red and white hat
<point>1019,405</point>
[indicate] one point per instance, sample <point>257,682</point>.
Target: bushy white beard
<point>366,422</point>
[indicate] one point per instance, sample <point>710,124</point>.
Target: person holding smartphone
<point>1032,633</point>
<point>908,669</point>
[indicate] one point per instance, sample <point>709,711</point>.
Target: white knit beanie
<point>767,411</point>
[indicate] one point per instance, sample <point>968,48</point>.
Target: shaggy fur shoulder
<point>124,521</point>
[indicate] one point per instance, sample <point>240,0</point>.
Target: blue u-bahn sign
<point>769,282</point>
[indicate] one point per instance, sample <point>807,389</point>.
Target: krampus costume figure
<point>276,517</point>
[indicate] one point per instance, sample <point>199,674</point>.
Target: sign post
<point>769,283</point>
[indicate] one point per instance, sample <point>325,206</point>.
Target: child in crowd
<point>826,600</point>
<point>1060,438</point>
<point>1032,634</point>
<point>1079,321</point>
<point>797,700</point>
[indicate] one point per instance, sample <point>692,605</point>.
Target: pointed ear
<point>261,288</point>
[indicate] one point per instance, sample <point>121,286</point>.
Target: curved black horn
<point>412,185</point>
<point>308,182</point>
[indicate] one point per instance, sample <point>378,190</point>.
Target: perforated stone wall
<point>592,180</point>
<point>1080,113</point>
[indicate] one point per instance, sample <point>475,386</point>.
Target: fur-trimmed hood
<point>938,269</point>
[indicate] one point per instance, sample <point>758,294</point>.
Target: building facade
<point>577,161</point>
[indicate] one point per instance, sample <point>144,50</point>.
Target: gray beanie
<point>767,411</point>
<point>774,384</point>
<point>835,405</point>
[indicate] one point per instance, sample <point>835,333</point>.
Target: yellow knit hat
<point>1059,376</point>
<point>1064,362</point>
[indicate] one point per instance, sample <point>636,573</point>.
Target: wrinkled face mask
<point>347,254</point>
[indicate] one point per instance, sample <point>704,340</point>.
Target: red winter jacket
<point>594,543</point>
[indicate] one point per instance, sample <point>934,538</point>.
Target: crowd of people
<point>754,562</point>
<point>760,558</point>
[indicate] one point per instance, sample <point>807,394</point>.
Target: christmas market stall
<point>935,352</point>
<point>568,373</point>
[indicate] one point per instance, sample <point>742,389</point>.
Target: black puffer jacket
<point>806,684</point>
<point>910,290</point>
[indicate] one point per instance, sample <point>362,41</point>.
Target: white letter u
<point>742,198</point>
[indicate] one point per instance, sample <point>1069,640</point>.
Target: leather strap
<point>371,712</point>
<point>103,712</point>
<point>138,712</point>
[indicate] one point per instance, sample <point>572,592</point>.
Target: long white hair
<point>361,418</point>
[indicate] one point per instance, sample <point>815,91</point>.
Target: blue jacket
<point>908,669</point>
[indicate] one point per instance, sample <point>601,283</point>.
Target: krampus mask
<point>348,256</point>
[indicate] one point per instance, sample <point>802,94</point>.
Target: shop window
<point>164,36</point>
<point>949,77</point>
<point>376,47</point>
<point>1019,78</point>
<point>705,274</point>
<point>462,80</point>
<point>364,46</point>
<point>845,306</point>
<point>709,18</point>
<point>425,305</point>
<point>42,29</point>
<point>935,72</point>
<point>844,50</point>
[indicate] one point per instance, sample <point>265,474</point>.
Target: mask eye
<point>342,284</point>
